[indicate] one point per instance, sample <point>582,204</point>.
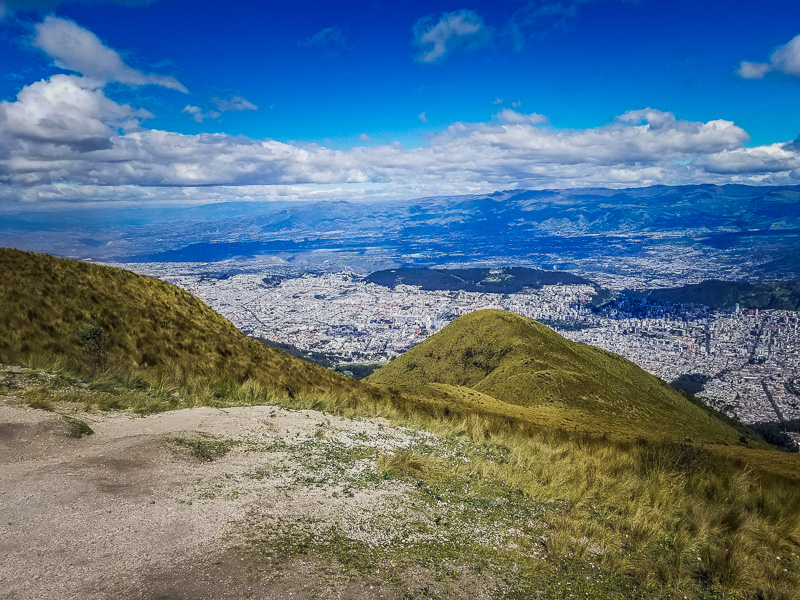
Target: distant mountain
<point>507,280</point>
<point>505,363</point>
<point>783,295</point>
<point>757,224</point>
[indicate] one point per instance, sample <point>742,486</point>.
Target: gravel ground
<point>128,513</point>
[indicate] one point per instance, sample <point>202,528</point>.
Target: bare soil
<point>127,513</point>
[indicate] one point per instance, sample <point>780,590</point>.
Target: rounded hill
<point>530,369</point>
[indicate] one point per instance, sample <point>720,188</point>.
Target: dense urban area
<point>744,363</point>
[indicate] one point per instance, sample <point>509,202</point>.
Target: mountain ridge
<point>143,323</point>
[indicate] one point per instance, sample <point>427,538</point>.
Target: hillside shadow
<point>691,383</point>
<point>774,433</point>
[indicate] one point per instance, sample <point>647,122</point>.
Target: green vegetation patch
<point>39,397</point>
<point>104,392</point>
<point>525,371</point>
<point>78,428</point>
<point>549,517</point>
<point>204,446</point>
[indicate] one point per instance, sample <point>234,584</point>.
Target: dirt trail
<point>125,513</point>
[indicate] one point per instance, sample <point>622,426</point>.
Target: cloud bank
<point>64,138</point>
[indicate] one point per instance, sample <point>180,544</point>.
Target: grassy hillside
<point>531,372</point>
<point>94,318</point>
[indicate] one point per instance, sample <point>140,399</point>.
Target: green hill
<point>536,375</point>
<point>781,295</point>
<point>47,304</point>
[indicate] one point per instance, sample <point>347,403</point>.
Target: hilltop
<point>139,324</point>
<point>532,372</point>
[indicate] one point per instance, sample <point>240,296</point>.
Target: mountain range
<point>759,225</point>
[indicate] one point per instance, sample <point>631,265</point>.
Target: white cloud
<point>64,110</point>
<point>330,37</point>
<point>198,114</point>
<point>235,103</point>
<point>458,30</point>
<point>63,138</point>
<point>752,70</point>
<point>516,104</point>
<point>784,59</point>
<point>364,138</point>
<point>423,117</point>
<point>512,117</point>
<point>497,100</point>
<point>774,158</point>
<point>77,49</point>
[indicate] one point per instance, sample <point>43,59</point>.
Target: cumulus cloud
<point>235,104</point>
<point>63,136</point>
<point>77,49</point>
<point>770,159</point>
<point>512,117</point>
<point>330,37</point>
<point>65,110</point>
<point>784,59</point>
<point>457,30</point>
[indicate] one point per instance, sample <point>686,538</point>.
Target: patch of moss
<point>78,428</point>
<point>204,446</point>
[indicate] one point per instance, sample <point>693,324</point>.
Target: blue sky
<point>192,101</point>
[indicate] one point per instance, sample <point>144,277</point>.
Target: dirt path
<point>129,513</point>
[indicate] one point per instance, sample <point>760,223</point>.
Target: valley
<point>747,361</point>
